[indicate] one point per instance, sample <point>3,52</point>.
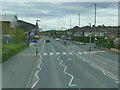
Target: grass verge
<point>9,50</point>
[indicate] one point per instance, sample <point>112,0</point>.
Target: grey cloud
<point>50,10</point>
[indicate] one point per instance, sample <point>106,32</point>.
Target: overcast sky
<point>55,15</point>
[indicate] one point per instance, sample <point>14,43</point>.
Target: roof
<point>7,17</point>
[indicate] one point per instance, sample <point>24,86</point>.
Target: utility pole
<point>70,23</point>
<point>95,26</point>
<point>79,20</point>
<point>37,24</point>
<point>90,38</point>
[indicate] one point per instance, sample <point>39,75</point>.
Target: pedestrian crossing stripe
<point>51,53</point>
<point>70,53</point>
<point>63,53</point>
<point>44,53</point>
<point>79,53</point>
<point>85,52</point>
<point>57,53</point>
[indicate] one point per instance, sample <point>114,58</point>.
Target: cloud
<point>54,14</point>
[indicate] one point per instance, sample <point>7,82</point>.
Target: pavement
<point>61,66</point>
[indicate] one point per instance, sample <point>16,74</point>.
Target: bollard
<point>89,48</point>
<point>36,52</point>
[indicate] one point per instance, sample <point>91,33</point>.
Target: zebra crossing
<point>63,53</point>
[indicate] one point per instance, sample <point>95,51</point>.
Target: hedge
<point>9,50</point>
<point>101,42</point>
<point>84,39</point>
<point>107,43</point>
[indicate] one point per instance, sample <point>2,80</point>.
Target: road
<point>64,66</point>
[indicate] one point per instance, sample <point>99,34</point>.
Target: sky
<point>55,15</point>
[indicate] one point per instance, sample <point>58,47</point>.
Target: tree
<point>18,35</point>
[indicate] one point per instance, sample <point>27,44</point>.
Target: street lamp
<point>95,26</point>
<point>70,27</point>
<point>79,20</point>
<point>37,24</point>
<point>90,38</point>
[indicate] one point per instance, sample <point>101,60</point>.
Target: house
<point>9,19</point>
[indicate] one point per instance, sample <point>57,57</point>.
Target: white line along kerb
<point>40,62</point>
<point>37,80</point>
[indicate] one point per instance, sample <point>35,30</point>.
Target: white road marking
<point>26,54</point>
<point>36,74</point>
<point>69,59</point>
<point>118,81</point>
<point>51,53</point>
<point>64,53</point>
<point>65,67</point>
<point>109,75</point>
<point>106,59</point>
<point>79,53</point>
<point>70,53</point>
<point>85,52</point>
<point>40,62</point>
<point>57,53</point>
<point>44,53</point>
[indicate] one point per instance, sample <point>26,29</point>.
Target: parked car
<point>47,41</point>
<point>57,39</point>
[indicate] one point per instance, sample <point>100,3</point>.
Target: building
<point>26,26</point>
<point>99,31</point>
<point>9,19</point>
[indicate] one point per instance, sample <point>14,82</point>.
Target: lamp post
<point>79,20</point>
<point>95,25</point>
<point>90,38</point>
<point>37,24</point>
<point>70,27</point>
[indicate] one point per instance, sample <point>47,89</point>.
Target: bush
<point>11,49</point>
